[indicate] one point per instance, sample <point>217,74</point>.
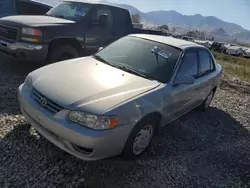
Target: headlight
<point>93,121</point>
<point>28,83</point>
<point>32,32</point>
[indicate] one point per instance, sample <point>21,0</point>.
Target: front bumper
<point>23,50</point>
<point>82,142</point>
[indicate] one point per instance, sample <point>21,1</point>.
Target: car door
<point>97,36</point>
<point>183,97</point>
<point>205,77</point>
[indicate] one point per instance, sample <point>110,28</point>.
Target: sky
<point>235,11</point>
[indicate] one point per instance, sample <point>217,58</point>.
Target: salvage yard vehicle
<point>69,30</point>
<point>187,38</point>
<point>246,53</point>
<point>115,101</point>
<point>218,47</point>
<point>235,50</point>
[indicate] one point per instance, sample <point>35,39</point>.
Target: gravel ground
<point>210,149</point>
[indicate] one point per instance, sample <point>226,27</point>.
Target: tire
<point>130,151</point>
<point>62,52</point>
<point>207,101</point>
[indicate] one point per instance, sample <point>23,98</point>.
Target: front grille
<point>46,103</point>
<point>8,33</point>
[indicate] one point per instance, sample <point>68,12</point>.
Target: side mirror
<point>103,20</point>
<point>100,48</point>
<point>184,80</point>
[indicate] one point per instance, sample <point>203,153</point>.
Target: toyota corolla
<point>114,102</point>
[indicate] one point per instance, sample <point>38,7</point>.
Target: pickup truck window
<point>137,54</point>
<point>99,10</point>
<point>74,11</point>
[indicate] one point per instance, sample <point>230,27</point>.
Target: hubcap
<point>209,99</point>
<point>143,139</point>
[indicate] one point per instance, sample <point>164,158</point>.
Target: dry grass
<point>235,66</point>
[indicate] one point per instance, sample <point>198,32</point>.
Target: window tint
<point>206,63</point>
<point>138,54</point>
<point>189,66</point>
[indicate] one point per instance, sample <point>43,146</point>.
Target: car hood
<point>88,84</point>
<point>35,20</point>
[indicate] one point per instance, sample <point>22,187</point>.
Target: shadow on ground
<point>207,149</point>
<point>12,74</point>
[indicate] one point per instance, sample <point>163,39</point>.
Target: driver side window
<point>189,65</point>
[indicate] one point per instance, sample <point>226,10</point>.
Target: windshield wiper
<point>122,67</point>
<point>99,58</point>
<point>127,69</point>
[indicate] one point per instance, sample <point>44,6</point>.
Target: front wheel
<point>139,139</point>
<point>62,52</point>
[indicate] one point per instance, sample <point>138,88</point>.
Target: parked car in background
<point>229,46</point>
<point>235,50</point>
<point>187,38</point>
<point>175,36</point>
<point>207,44</point>
<point>113,102</point>
<point>218,47</point>
<point>22,7</point>
<point>148,31</point>
<point>246,53</point>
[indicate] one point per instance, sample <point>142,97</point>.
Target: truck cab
<point>70,29</point>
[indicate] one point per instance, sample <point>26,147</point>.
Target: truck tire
<point>62,52</point>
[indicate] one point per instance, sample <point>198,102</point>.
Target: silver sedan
<point>114,102</point>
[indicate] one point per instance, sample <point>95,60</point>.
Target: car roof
<point>178,43</point>
<point>96,2</point>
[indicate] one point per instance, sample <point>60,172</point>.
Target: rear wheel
<point>140,138</point>
<point>62,52</point>
<point>207,101</point>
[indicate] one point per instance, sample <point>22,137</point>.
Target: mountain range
<point>210,25</point>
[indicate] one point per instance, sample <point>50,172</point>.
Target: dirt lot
<point>210,149</point>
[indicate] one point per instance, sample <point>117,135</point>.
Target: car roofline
<point>183,46</point>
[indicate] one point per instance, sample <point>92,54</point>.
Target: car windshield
<point>74,11</point>
<point>142,57</point>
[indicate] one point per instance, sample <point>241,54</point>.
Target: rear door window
<point>206,65</point>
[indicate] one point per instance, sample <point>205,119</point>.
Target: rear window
<point>150,58</point>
